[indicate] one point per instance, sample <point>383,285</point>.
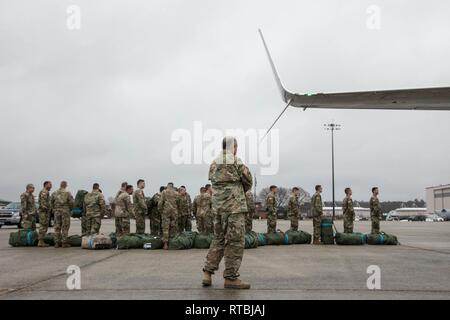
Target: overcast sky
<point>100,104</point>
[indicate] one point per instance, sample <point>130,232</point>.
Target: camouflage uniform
<point>184,215</point>
<point>228,175</point>
<point>251,211</point>
<point>44,210</point>
<point>195,206</point>
<point>62,203</point>
<point>95,208</point>
<point>117,220</point>
<point>140,209</point>
<point>293,211</point>
<point>348,213</point>
<point>169,205</point>
<point>317,211</point>
<point>375,214</point>
<point>28,211</point>
<point>155,215</point>
<point>204,216</point>
<point>123,213</point>
<point>271,204</point>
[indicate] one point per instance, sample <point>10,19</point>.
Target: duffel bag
<point>262,241</point>
<point>251,240</point>
<point>203,240</point>
<point>96,242</point>
<point>297,237</point>
<point>182,241</point>
<point>23,238</point>
<point>381,239</point>
<point>275,238</point>
<point>351,239</point>
<point>326,231</point>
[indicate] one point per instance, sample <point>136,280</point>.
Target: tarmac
<point>419,268</point>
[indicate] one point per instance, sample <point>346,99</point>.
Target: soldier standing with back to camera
<point>271,204</point>
<point>317,212</point>
<point>123,188</point>
<point>251,211</point>
<point>140,207</point>
<point>28,208</point>
<point>184,216</point>
<point>124,211</point>
<point>230,180</point>
<point>169,205</point>
<point>95,208</point>
<point>293,208</point>
<point>62,203</point>
<point>44,210</point>
<point>375,210</point>
<point>348,211</point>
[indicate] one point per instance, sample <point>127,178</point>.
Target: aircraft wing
<point>404,99</point>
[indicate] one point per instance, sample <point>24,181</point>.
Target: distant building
<point>438,198</point>
<point>359,212</point>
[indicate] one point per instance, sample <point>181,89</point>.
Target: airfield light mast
<point>332,127</point>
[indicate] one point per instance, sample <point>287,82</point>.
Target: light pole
<point>332,127</point>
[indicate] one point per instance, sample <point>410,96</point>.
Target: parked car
<point>10,216</point>
<point>434,218</point>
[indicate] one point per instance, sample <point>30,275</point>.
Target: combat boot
<point>65,245</point>
<point>316,242</point>
<point>166,246</point>
<point>207,281</point>
<point>235,284</point>
<point>42,244</point>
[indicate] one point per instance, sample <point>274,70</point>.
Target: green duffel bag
<point>152,242</point>
<point>49,239</point>
<point>203,240</point>
<point>297,237</point>
<point>23,238</point>
<point>74,241</point>
<point>129,241</point>
<point>381,239</point>
<point>275,238</point>
<point>351,239</point>
<point>326,231</point>
<point>113,237</point>
<point>262,241</point>
<point>251,240</point>
<point>183,241</point>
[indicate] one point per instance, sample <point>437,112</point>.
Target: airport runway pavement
<point>417,269</point>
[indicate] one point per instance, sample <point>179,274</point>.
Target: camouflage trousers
<point>271,222</point>
<point>200,223</point>
<point>93,224</point>
<point>62,225</point>
<point>349,217</point>
<point>317,220</point>
<point>375,217</point>
<point>293,216</point>
<point>44,216</point>
<point>122,226</point>
<point>84,230</point>
<point>228,243</point>
<point>184,223</point>
<point>29,221</point>
<point>248,221</point>
<point>205,223</point>
<point>140,221</point>
<point>155,223</point>
<point>169,225</point>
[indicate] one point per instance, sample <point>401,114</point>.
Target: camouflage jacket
<point>62,199</point>
<point>27,205</point>
<point>293,207</point>
<point>44,200</point>
<point>316,204</point>
<point>124,206</point>
<point>250,202</point>
<point>185,205</point>
<point>169,203</point>
<point>347,206</point>
<point>153,204</point>
<point>375,207</point>
<point>118,194</point>
<point>196,204</point>
<point>229,176</point>
<point>204,204</point>
<point>94,204</point>
<point>139,200</point>
<point>271,203</point>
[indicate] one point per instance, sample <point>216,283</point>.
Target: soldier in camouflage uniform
<point>169,205</point>
<point>293,208</point>
<point>140,207</point>
<point>230,179</point>
<point>317,212</point>
<point>348,212</point>
<point>44,210</point>
<point>117,220</point>
<point>251,211</point>
<point>124,211</point>
<point>95,208</point>
<point>62,203</point>
<point>375,211</point>
<point>28,208</point>
<point>184,215</point>
<point>155,215</point>
<point>206,207</point>
<point>196,212</point>
<point>271,204</point>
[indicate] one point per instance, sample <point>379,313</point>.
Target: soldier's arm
<point>71,201</point>
<point>141,200</point>
<point>102,204</point>
<point>161,202</point>
<point>318,205</point>
<point>246,176</point>
<point>23,203</point>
